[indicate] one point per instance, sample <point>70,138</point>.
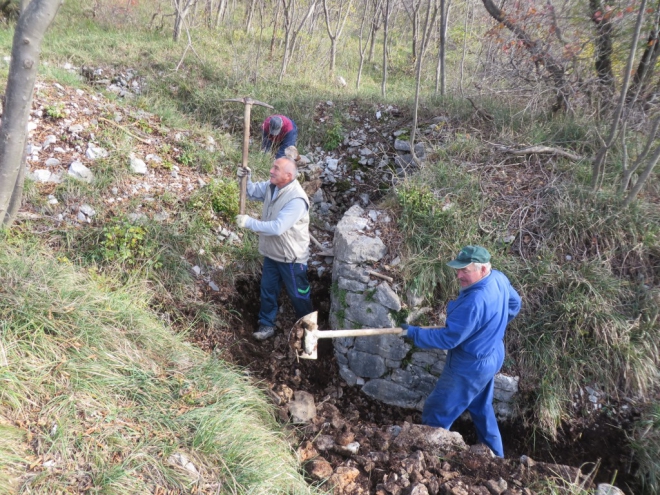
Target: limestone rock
<point>421,437</point>
<point>78,171</point>
<point>302,408</point>
<point>391,393</point>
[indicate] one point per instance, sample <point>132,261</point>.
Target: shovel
<point>305,335</point>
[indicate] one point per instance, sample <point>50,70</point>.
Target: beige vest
<point>293,245</point>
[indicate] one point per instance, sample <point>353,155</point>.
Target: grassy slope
<point>97,392</point>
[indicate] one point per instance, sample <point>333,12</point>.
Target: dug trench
<point>588,452</point>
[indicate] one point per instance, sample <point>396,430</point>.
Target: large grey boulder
<point>391,393</point>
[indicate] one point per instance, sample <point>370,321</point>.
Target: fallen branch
<point>145,141</point>
<point>540,150</point>
<point>482,113</point>
<point>380,275</point>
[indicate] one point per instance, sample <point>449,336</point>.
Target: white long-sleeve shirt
<point>288,216</point>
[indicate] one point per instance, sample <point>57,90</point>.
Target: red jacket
<point>287,126</point>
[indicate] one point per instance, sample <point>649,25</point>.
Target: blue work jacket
<point>476,320</point>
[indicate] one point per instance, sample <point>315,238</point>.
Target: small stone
<point>319,469</point>
<point>87,210</point>
<point>80,172</point>
<point>94,152</point>
<point>137,165</point>
<point>51,139</point>
<point>42,175</point>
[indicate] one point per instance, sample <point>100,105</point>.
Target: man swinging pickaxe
<point>248,102</point>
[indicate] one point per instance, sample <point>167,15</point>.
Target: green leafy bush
<point>55,111</point>
<point>218,197</point>
<point>333,136</point>
<point>127,244</point>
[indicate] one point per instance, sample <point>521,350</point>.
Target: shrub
<point>333,136</point>
<point>127,244</point>
<point>218,197</point>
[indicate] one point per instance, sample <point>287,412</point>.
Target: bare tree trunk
<point>334,36</point>
<point>603,63</point>
<point>182,8</point>
<point>292,31</point>
<point>429,22</point>
<point>375,26</point>
<point>650,165</point>
<point>250,15</point>
<point>628,172</point>
<point>360,48</point>
<point>272,39</point>
<point>222,8</point>
<point>208,13</point>
<point>28,36</point>
<point>539,53</point>
<point>647,63</point>
<point>598,167</point>
<point>413,16</point>
<point>440,70</point>
<point>468,15</point>
<point>386,24</point>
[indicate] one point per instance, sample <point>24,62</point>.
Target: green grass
<point>97,386</point>
<point>645,443</point>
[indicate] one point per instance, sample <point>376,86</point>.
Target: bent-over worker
<point>278,133</point>
<point>474,337</point>
<point>283,241</point>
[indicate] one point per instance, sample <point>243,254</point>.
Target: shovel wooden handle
<point>361,332</point>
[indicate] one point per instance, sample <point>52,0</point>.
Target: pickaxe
<point>305,335</point>
<point>248,102</point>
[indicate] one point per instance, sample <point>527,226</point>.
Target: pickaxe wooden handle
<point>248,102</point>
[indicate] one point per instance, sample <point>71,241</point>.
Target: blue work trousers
<point>294,276</point>
<point>467,384</point>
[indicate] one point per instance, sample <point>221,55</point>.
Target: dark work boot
<point>264,332</point>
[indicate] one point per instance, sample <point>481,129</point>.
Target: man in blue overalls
<point>474,337</point>
<point>283,241</point>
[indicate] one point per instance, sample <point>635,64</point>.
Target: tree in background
<point>30,30</point>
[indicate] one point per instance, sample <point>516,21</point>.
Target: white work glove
<point>241,220</point>
<point>243,172</point>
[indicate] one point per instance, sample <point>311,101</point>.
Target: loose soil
<point>596,446</point>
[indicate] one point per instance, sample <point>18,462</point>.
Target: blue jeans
<point>467,384</point>
<point>294,276</point>
<point>289,139</point>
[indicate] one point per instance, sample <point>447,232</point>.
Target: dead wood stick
<point>145,141</point>
<point>380,275</point>
<point>482,113</point>
<point>3,356</point>
<point>541,150</point>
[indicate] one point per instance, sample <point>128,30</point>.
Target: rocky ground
<point>345,440</point>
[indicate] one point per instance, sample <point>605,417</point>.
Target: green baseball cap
<point>468,255</point>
